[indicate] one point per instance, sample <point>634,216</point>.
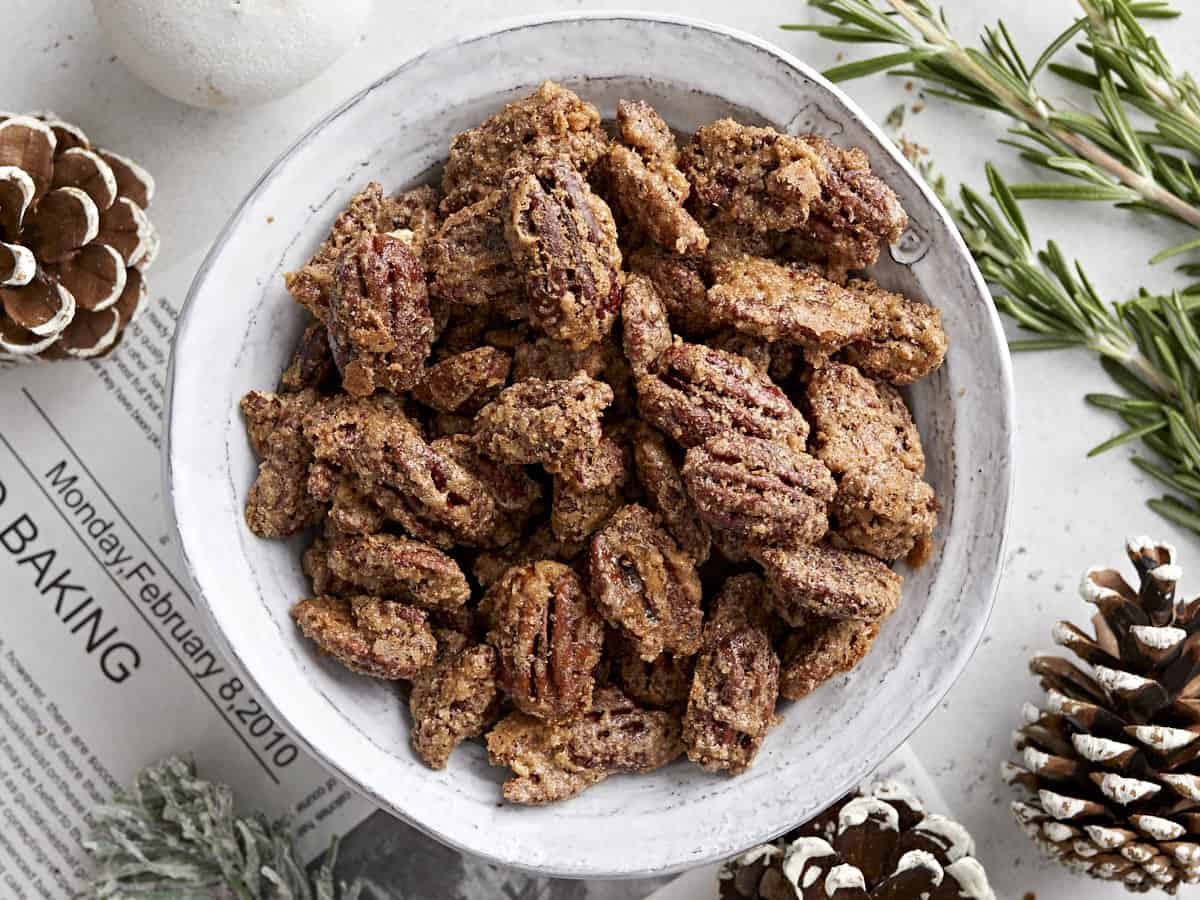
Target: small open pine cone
<point>74,241</point>
<point>1112,764</point>
<point>876,844</point>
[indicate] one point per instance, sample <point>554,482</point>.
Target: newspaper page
<point>105,663</point>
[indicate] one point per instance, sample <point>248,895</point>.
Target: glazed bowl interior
<point>237,334</point>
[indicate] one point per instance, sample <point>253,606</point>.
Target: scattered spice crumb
<point>918,108</point>
<point>840,57</point>
<point>1029,895</point>
<point>270,219</point>
<point>962,392</point>
<point>908,86</point>
<point>895,118</point>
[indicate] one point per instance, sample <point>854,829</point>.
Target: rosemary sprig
<point>1105,155</point>
<point>174,836</point>
<point>1149,345</point>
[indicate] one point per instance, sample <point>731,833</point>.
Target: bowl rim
<point>899,732</point>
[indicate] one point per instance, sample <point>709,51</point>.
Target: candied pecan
<point>510,486</point>
<point>399,569</point>
<point>666,494</point>
<point>312,285</point>
<point>466,381</point>
<point>380,330</point>
<point>352,510</point>
<point>856,212</point>
<point>646,331</point>
<point>730,546</point>
<point>839,584</point>
<point>644,585</point>
<point>279,503</point>
<point>434,497</point>
<point>652,202</point>
<point>537,421</point>
<point>551,123</point>
<point>413,211</point>
<point>884,510</point>
<point>541,544</point>
<point>756,350</point>
<point>759,490</point>
<point>663,683</point>
<point>552,360</point>
<point>786,302</point>
<point>548,639</point>
<point>698,392</point>
<point>905,341</point>
<point>368,635</point>
<point>553,762</point>
<point>564,241</point>
<point>859,423</point>
<point>643,129</point>
<point>820,649</point>
<point>314,563</point>
<point>469,261</point>
<point>592,466</point>
<point>577,512</point>
<point>322,481</point>
<point>680,286</point>
<point>454,699</point>
<point>755,177</point>
<point>731,705</point>
<point>312,361</point>
<point>450,424</point>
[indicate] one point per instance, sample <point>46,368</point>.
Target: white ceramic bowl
<point>237,332</point>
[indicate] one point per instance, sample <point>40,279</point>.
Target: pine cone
<point>74,241</point>
<point>1111,764</point>
<point>876,843</point>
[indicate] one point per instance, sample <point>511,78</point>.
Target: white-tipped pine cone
<point>1111,764</point>
<point>877,843</point>
<point>74,241</point>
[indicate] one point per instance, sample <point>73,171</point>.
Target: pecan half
<point>466,381</point>
<point>548,639</point>
<point>312,361</point>
<point>279,503</point>
<point>821,649</point>
<point>647,333</point>
<point>399,569</point>
<point>759,490</point>
<point>666,494</point>
<point>564,240</point>
<point>885,510</point>
<point>469,261</point>
<point>454,699</point>
<point>698,392</point>
<point>651,200</point>
<point>905,341</point>
<point>644,585</point>
<point>352,511</point>
<point>732,701</point>
<point>537,421</point>
<point>553,762</point>
<point>380,329</point>
<point>680,286</point>
<point>837,584</point>
<point>368,635</point>
<point>661,684</point>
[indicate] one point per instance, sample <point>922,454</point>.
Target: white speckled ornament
<point>229,54</point>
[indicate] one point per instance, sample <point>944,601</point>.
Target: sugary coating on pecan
<point>450,424</point>
<point>821,649</point>
<point>663,683</point>
<point>552,360</point>
<point>592,466</point>
<point>368,635</point>
<point>279,503</point>
<point>510,486</point>
<point>553,762</point>
<point>469,261</point>
<point>856,213</point>
<point>537,421</point>
<point>755,349</point>
<point>577,512</point>
<point>466,381</point>
<point>312,361</point>
<point>643,129</point>
<point>312,285</point>
<point>786,303</point>
<point>551,123</point>
<point>680,286</point>
<point>651,202</point>
<point>564,242</point>
<point>540,544</point>
<point>454,699</point>
<point>698,392</point>
<point>322,482</point>
<point>380,329</point>
<point>352,511</point>
<point>548,639</point>
<point>764,492</point>
<point>646,330</point>
<point>884,510</point>
<point>731,705</point>
<point>644,585</point>
<point>314,563</point>
<point>858,423</point>
<point>434,497</point>
<point>396,568</point>
<point>414,211</point>
<point>666,494</point>
<point>754,176</point>
<point>813,579</point>
<point>905,341</point>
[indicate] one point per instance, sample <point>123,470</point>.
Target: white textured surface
<point>1070,512</point>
